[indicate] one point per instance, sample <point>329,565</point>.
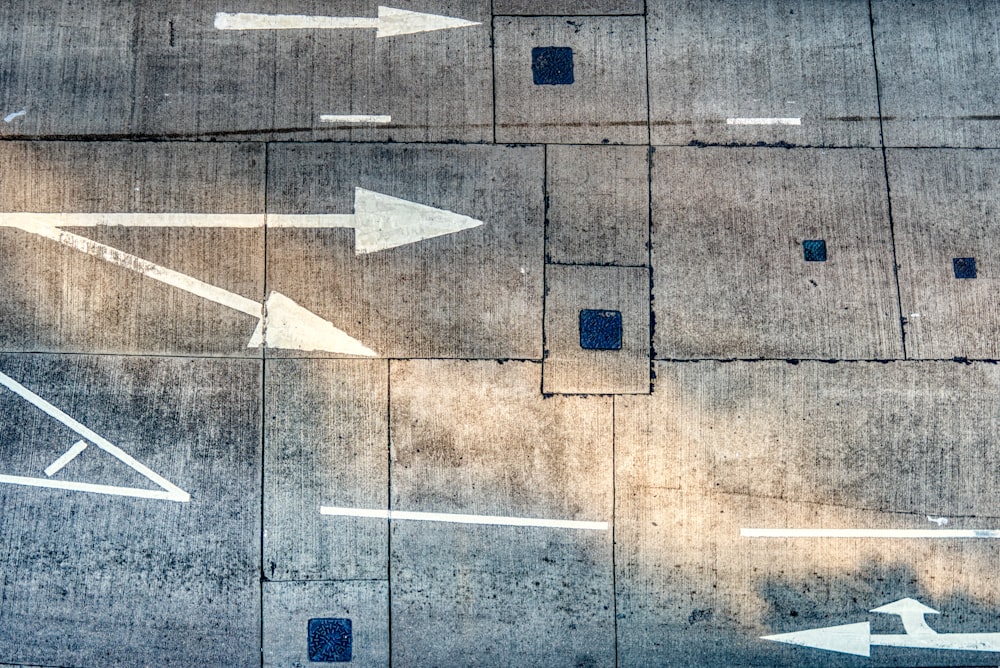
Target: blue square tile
<point>552,65</point>
<point>965,267</point>
<point>814,250</point>
<point>600,329</point>
<point>330,640</point>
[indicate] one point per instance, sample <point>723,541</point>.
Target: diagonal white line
<point>870,533</point>
<point>65,458</point>
<point>178,495</point>
<point>501,520</point>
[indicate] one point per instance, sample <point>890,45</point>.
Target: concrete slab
<point>63,300</point>
<point>764,59</point>
<point>604,103</point>
<point>723,446</point>
<point>115,580</point>
<point>577,359</point>
<point>197,81</point>
<point>474,294</point>
<point>937,70</point>
<point>567,7</point>
<point>326,443</point>
<point>489,444</point>
<point>730,274</point>
<point>289,606</point>
<point>944,206</point>
<point>598,205</point>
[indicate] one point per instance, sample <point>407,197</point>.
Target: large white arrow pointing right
<point>390,22</point>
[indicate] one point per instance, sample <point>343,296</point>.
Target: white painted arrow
<point>283,323</point>
<point>390,22</point>
<point>379,221</point>
<point>857,638</point>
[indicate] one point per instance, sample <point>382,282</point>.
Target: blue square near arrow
<point>330,639</point>
<point>552,65</point>
<point>600,329</point>
<point>814,250</point>
<point>965,267</point>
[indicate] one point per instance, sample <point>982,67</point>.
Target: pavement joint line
<point>461,518</point>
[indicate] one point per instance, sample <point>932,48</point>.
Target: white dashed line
<point>870,533</point>
<point>356,118</point>
<point>463,519</point>
<point>763,121</point>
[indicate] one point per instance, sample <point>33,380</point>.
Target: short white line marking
<point>463,519</point>
<point>9,117</point>
<point>763,121</point>
<point>65,458</point>
<point>870,533</point>
<point>180,496</point>
<point>355,118</point>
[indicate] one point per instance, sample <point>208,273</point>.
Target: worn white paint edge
<point>252,21</point>
<point>93,437</point>
<point>9,117</point>
<point>355,118</point>
<point>462,519</point>
<point>763,121</point>
<point>239,220</point>
<point>65,458</point>
<point>869,533</point>
<point>179,496</point>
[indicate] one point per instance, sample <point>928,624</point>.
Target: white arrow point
<point>382,221</point>
<point>847,638</point>
<point>394,22</point>
<point>905,606</point>
<point>289,326</point>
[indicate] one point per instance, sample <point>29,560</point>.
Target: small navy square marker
<point>330,640</point>
<point>965,267</point>
<point>600,330</point>
<point>814,250</point>
<point>552,65</point>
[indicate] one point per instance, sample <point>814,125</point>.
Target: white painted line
<point>763,121</point>
<point>9,117</point>
<point>462,519</point>
<point>390,22</point>
<point>182,497</point>
<point>237,220</point>
<point>870,533</point>
<point>65,458</point>
<point>356,118</point>
<point>175,492</point>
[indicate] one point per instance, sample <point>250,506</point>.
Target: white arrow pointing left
<point>390,22</point>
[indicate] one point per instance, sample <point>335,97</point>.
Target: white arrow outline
<point>390,22</point>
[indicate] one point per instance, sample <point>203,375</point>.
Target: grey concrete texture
<point>326,443</point>
<point>730,279</point>
<point>598,205</point>
<point>605,103</point>
<point>937,72</point>
<point>944,206</point>
<point>568,7</point>
<point>484,441</point>
<point>711,61</point>
<point>102,580</point>
<point>723,446</point>
<point>569,368</point>
<point>62,300</point>
<point>472,294</point>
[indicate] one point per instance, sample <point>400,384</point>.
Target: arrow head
<point>287,325</point>
<point>382,221</point>
<point>905,606</point>
<point>846,639</point>
<point>393,22</point>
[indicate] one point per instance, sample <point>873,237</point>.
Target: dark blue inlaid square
<point>552,65</point>
<point>600,329</point>
<point>965,267</point>
<point>330,639</point>
<point>814,250</point>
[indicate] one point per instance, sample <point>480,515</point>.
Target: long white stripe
<point>763,121</point>
<point>355,118</point>
<point>249,21</point>
<point>25,220</point>
<point>870,533</point>
<point>180,496</point>
<point>65,458</point>
<point>93,437</point>
<point>462,519</point>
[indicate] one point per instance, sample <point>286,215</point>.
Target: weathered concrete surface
<point>568,7</point>
<point>98,580</point>
<point>472,294</point>
<point>709,62</point>
<point>730,278</point>
<point>488,443</point>
<point>62,300</point>
<point>945,205</point>
<point>937,69</point>
<point>326,443</point>
<point>568,367</point>
<point>598,205</point>
<point>722,446</point>
<point>288,607</point>
<point>606,101</point>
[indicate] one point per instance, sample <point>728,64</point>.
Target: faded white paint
<point>390,22</point>
<point>763,121</point>
<point>65,458</point>
<point>9,117</point>
<point>383,222</point>
<point>355,118</point>
<point>870,533</point>
<point>287,325</point>
<point>500,520</point>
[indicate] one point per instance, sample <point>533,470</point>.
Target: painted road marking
<point>381,514</point>
<point>763,121</point>
<point>870,533</point>
<point>857,638</point>
<point>171,492</point>
<point>9,117</point>
<point>65,458</point>
<point>390,22</point>
<point>355,118</point>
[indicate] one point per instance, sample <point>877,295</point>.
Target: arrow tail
<point>251,21</point>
